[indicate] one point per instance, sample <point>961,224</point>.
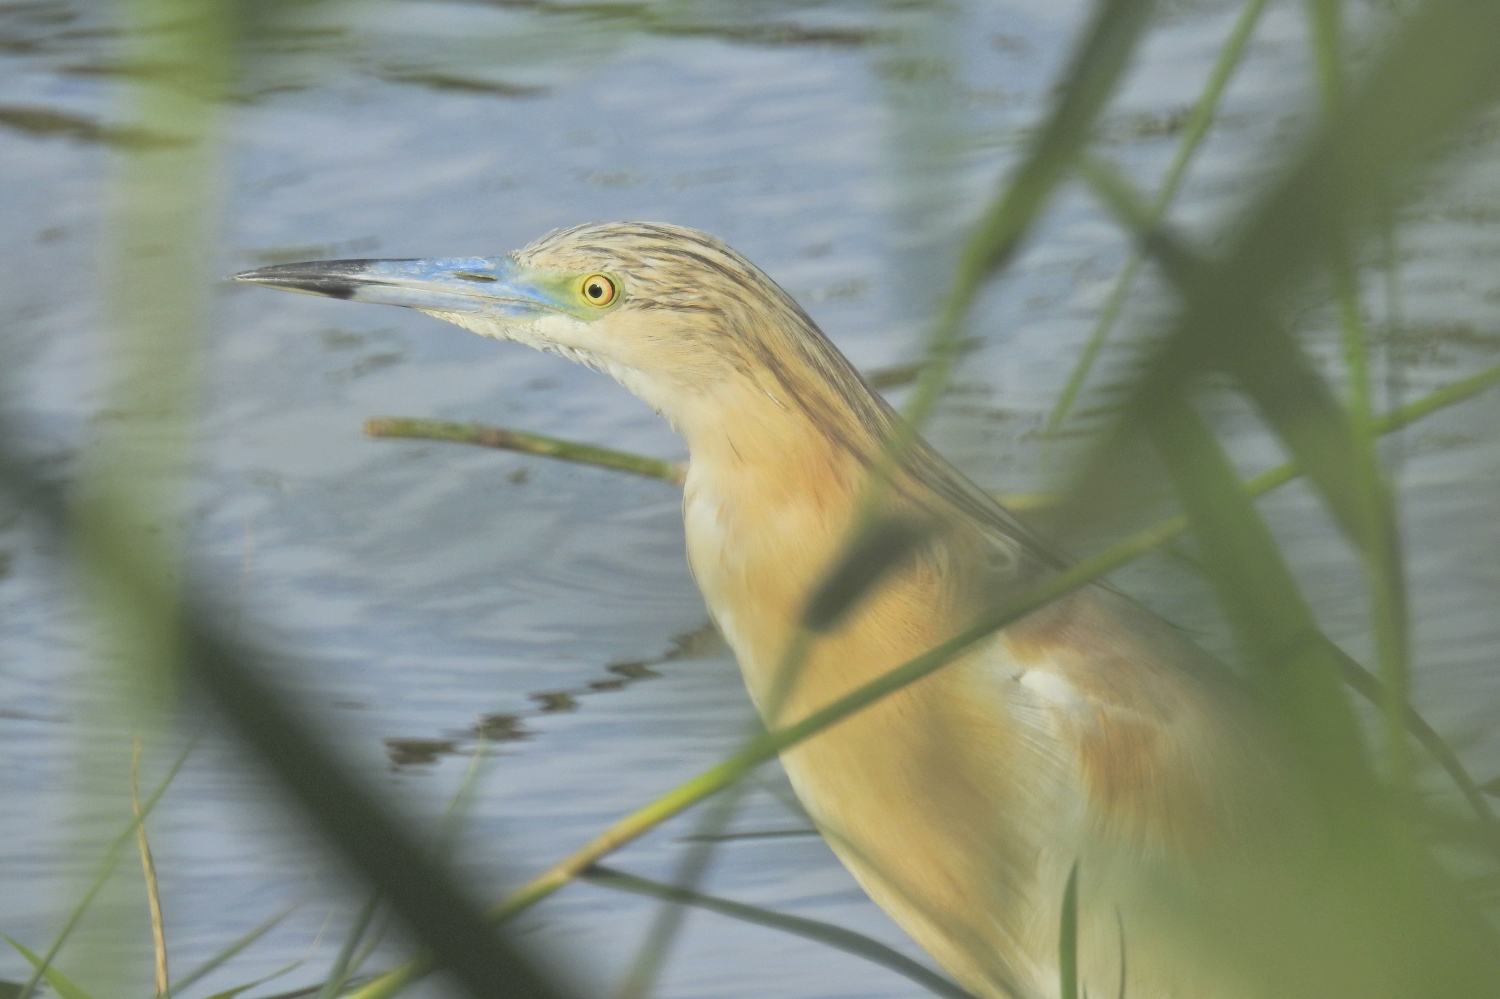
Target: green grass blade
<point>733,769</point>
<point>238,989</point>
<point>375,842</point>
<point>1300,682</point>
<point>1369,687</point>
<point>128,484</point>
<point>1090,80</point>
<point>231,993</point>
<point>753,834</point>
<point>1117,195</point>
<point>1197,128</point>
<point>293,993</point>
<point>233,949</point>
<point>1382,551</point>
<point>1067,939</point>
<point>1256,348</point>
<point>1325,31</point>
<point>1439,400</point>
<point>373,940</point>
<point>1339,450</point>
<point>463,798</point>
<point>1337,185</point>
<point>341,970</point>
<point>106,868</point>
<point>662,935</point>
<point>1120,926</point>
<point>825,933</point>
<point>1375,882</point>
<point>351,956</point>
<point>736,767</point>
<point>61,983</point>
<point>1372,886</point>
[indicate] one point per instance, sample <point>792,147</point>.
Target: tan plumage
<point>1090,732</point>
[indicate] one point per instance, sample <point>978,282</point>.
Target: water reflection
<point>700,643</point>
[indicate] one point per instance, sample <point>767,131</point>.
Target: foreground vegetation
<point>1416,855</point>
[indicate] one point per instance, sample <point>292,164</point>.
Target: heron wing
<point>1159,739</point>
<point>1150,726</point>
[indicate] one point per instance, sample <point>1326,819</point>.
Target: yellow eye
<point>597,290</point>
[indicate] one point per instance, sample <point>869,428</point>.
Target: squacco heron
<point>1089,733</point>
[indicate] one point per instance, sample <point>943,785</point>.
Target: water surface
<point>420,594</point>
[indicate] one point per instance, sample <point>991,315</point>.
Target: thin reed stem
<point>1089,81</point>
<point>518,440</point>
<point>735,767</point>
<point>234,948</point>
<point>652,955</point>
<point>487,435</point>
<point>343,964</point>
<point>148,871</point>
<point>463,798</point>
<point>102,875</point>
<point>825,933</point>
<point>1295,402</point>
<point>1382,550</point>
<point>1067,939</point>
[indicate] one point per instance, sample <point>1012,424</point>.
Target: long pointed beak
<point>488,286</point>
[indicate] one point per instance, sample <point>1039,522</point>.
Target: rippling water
<point>421,593</point>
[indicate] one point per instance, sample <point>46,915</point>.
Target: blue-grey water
<point>422,592</point>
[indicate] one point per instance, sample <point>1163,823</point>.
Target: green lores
<point>493,287</point>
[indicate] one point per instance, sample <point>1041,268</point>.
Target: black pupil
<point>596,290</point>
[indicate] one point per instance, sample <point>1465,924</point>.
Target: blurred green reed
<point>1389,920</point>
<point>1067,940</point>
<point>1193,134</point>
<point>1383,565</point>
<point>128,496</point>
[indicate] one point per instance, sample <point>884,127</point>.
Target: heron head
<point>667,310</point>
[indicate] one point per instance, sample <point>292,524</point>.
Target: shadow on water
<point>511,726</point>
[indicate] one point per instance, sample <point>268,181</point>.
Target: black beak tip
<point>329,278</point>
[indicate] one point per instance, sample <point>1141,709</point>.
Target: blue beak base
<point>486,286</point>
